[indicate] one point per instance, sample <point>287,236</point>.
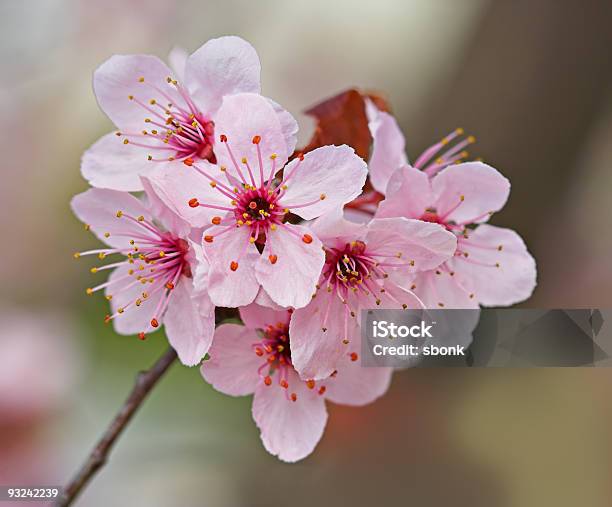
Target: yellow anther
<point>89,291</point>
<point>273,156</point>
<point>141,79</point>
<point>471,139</point>
<point>87,227</point>
<point>459,131</point>
<point>125,141</point>
<point>152,102</point>
<point>273,227</point>
<point>93,270</point>
<point>119,214</point>
<point>107,234</point>
<point>76,255</point>
<point>101,255</point>
<point>141,218</point>
<point>244,160</point>
<point>131,97</point>
<point>162,253</point>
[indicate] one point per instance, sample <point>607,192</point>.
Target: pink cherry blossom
<point>164,117</point>
<point>161,275</point>
<point>491,265</point>
<point>251,243</point>
<point>365,266</point>
<point>290,412</point>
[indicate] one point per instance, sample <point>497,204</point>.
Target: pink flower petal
<point>335,231</point>
<point>134,319</point>
<point>189,322</point>
<point>388,148</point>
<point>291,279</point>
<point>177,58</point>
<point>355,384</point>
<point>255,316</point>
<point>288,125</point>
<point>396,297</point>
<point>120,77</point>
<point>421,245</point>
<point>240,118</point>
<point>98,208</point>
<point>411,197</point>
<point>328,177</point>
<point>315,353</point>
<point>176,185</point>
<point>468,192</point>
<point>232,367</point>
<point>223,66</point>
<point>228,287</point>
<point>109,163</point>
<point>515,278</point>
<point>264,299</point>
<point>439,289</point>
<point>289,429</point>
<point>170,220</point>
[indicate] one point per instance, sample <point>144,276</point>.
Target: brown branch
<point>145,381</point>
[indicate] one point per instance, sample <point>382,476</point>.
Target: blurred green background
<point>531,79</point>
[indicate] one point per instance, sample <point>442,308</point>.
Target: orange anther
<point>284,384</point>
<point>293,397</point>
<point>310,384</point>
<point>193,203</point>
<point>169,286</point>
<point>268,380</point>
<point>272,258</point>
<point>307,238</point>
<point>354,356</point>
<point>322,389</point>
<point>256,139</point>
<point>223,138</point>
<point>259,352</point>
<point>142,336</point>
<point>154,322</point>
<point>216,220</point>
<point>233,265</point>
<point>208,238</point>
<point>188,161</point>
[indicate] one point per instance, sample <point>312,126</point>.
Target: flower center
<point>349,266</point>
<point>255,199</point>
<point>173,130</point>
<point>155,260</point>
<point>274,348</point>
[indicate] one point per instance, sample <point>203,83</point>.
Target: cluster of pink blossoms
<point>203,203</point>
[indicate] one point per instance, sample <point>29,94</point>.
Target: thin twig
<point>145,381</point>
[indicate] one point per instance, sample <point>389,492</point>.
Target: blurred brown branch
<point>145,381</point>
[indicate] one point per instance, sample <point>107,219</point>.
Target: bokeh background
<point>530,78</point>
